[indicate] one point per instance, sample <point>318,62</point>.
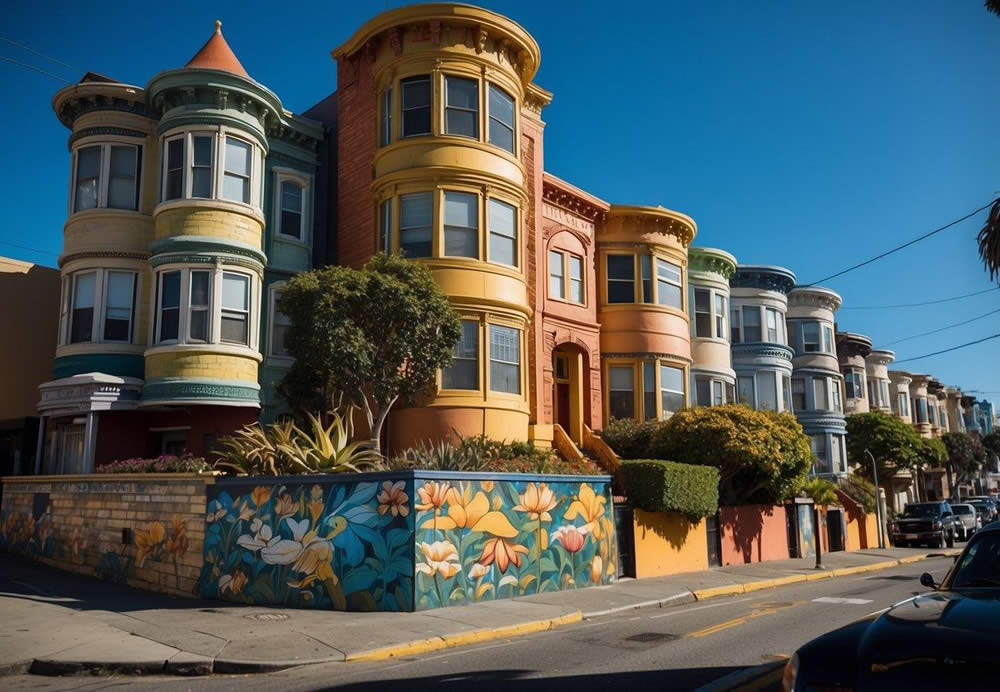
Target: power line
<point>904,245</point>
<point>950,326</point>
<point>25,247</point>
<point>947,350</point>
<point>36,69</point>
<point>918,305</point>
<point>40,54</point>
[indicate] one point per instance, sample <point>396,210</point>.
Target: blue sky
<point>810,135</point>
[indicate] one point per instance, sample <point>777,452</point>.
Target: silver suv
<point>969,520</point>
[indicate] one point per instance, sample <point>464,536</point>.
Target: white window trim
<point>104,176</point>
<point>104,307</point>
<point>100,307</point>
<point>272,297</point>
<point>303,180</point>
<point>215,314</point>
<point>218,134</point>
<point>566,280</point>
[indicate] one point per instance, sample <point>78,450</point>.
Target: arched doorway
<point>568,389</point>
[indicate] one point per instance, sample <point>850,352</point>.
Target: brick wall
<point>76,523</point>
<point>356,118</point>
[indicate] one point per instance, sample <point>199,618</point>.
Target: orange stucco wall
<point>668,543</point>
<point>753,533</point>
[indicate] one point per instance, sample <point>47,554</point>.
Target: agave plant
<point>257,451</point>
<point>329,448</point>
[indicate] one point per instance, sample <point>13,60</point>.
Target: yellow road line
<point>736,622</point>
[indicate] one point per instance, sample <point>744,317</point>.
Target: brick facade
<point>355,151</point>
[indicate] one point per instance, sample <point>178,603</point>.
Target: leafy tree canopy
<point>375,335</point>
<point>762,456</point>
<point>894,444</point>
<point>991,443</point>
<point>965,454</point>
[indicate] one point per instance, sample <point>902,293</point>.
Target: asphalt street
<point>678,648</point>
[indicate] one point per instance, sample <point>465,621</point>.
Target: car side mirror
<point>927,580</point>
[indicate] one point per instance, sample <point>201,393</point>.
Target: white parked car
<point>969,520</point>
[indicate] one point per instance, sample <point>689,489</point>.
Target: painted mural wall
<point>405,541</point>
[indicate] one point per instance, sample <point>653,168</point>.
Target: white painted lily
<point>261,538</point>
<point>284,551</point>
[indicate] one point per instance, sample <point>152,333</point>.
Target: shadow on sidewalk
<point>34,581</point>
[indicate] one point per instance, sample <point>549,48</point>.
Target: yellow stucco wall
<point>211,222</point>
<point>668,543</point>
<point>201,364</point>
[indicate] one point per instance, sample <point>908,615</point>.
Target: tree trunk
<point>951,480</point>
<point>376,419</point>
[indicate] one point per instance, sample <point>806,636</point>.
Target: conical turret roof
<point>217,55</point>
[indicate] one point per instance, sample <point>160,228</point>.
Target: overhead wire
<point>941,329</point>
<point>947,350</point>
<point>919,305</point>
<point>40,54</point>
<point>36,69</point>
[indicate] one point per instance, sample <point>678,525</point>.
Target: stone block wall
<point>144,530</point>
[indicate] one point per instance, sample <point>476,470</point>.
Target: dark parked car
<point>930,523</point>
<point>941,640</point>
<point>985,509</point>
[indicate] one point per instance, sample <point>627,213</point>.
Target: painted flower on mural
<point>260,495</point>
<point>233,583</point>
<point>537,501</point>
<point>285,506</point>
<point>440,557</point>
<point>590,506</point>
<point>394,499</point>
<point>247,512</point>
<point>177,542</point>
<point>465,509</point>
<point>77,544</point>
<point>146,541</point>
<point>478,571</point>
<point>597,569</point>
<point>316,503</point>
<point>215,512</point>
<point>261,538</point>
<point>432,495</point>
<point>572,538</point>
<point>502,552</point>
<point>314,564</point>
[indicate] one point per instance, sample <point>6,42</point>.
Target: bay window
<point>205,306</point>
<point>235,308</point>
<point>461,106</point>
<point>502,219</point>
<point>665,288</point>
<point>501,112</point>
<point>415,221</point>
<point>505,359</point>
<point>106,175</point>
<point>203,164</point>
<point>854,384</point>
<point>463,373</point>
<point>82,317</point>
<point>98,307</point>
<point>461,224</point>
<point>621,402</point>
<point>416,105</point>
<point>621,278</point>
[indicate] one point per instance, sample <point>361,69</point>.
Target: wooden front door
<point>562,393</point>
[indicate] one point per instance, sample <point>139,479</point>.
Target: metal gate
<point>714,542</point>
<point>624,530</point>
<point>835,530</point>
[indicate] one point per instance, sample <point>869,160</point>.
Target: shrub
<point>861,490</point>
<point>763,457</point>
<point>666,486</point>
<point>630,438</point>
<point>480,453</point>
<point>163,464</point>
<point>821,492</point>
<point>285,449</point>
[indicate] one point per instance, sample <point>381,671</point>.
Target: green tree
<point>375,335</point>
<point>822,492</point>
<point>991,443</point>
<point>762,456</point>
<point>894,444</point>
<point>965,455</point>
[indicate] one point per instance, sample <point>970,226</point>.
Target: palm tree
<point>993,6</point>
<point>989,235</point>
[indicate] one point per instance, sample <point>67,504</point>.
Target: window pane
<point>234,328</point>
<point>501,118</point>
<point>386,130</point>
<point>415,225</point>
<point>734,326</point>
<point>717,399</point>
<point>118,306</point>
<point>234,291</point>
<point>175,169</point>
<point>236,181</point>
<point>668,288</point>
<point>720,316</point>
<point>767,391</point>
<point>291,209</point>
<point>702,312</point>
<point>621,403</point>
<point>235,188</point>
<point>751,324</point>
<point>385,223</point>
<point>88,172</point>
<point>201,174</point>
<point>462,106</point>
<point>827,340</point>
<point>202,151</point>
<point>170,303</point>
<point>810,337</point>
<point>786,392</point>
<point>730,393</point>
<point>745,385</point>
<point>83,308</point>
<point>235,308</point>
<point>461,224</point>
<point>503,233</point>
<point>199,305</point>
<point>505,359</point>
<point>416,106</point>
<point>556,285</point>
<point>122,187</point>
<point>820,399</point>
<point>648,390</point>
<point>703,391</point>
<point>671,389</point>
<point>621,279</point>
<point>463,373</point>
<point>646,267</point>
<point>576,279</point>
<point>199,325</point>
<point>772,325</point>
<point>798,394</point>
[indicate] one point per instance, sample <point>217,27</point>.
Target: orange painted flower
<point>596,569</point>
<point>571,537</point>
<point>177,543</point>
<point>537,500</point>
<point>486,485</point>
<point>260,495</point>
<point>478,571</point>
<point>502,552</point>
<point>147,541</point>
<point>284,506</point>
<point>590,506</point>
<point>440,557</point>
<point>393,500</point>
<point>233,583</point>
<point>246,512</point>
<point>432,495</point>
<point>315,503</point>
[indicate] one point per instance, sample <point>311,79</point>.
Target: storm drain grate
<point>265,617</point>
<point>651,637</point>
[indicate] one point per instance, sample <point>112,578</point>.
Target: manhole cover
<point>267,616</point>
<point>651,637</point>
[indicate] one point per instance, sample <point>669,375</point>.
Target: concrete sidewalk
<point>58,623</point>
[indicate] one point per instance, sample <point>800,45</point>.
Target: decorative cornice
<point>161,260</point>
<point>712,261</point>
<point>571,202</point>
<point>814,296</point>
<point>881,357</point>
<point>190,245</point>
<point>850,344</point>
<point>104,131</point>
<point>763,277</point>
<point>159,391</point>
<point>650,356</point>
<point>656,219</point>
<point>824,420</point>
<point>763,349</point>
<point>76,100</point>
<point>114,254</point>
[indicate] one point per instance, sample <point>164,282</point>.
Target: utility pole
<point>878,502</point>
<point>819,538</point>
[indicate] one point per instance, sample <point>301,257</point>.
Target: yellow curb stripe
<point>448,641</point>
<point>771,583</point>
<point>715,591</point>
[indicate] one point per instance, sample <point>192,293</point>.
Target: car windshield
<point>980,565</point>
<point>963,509</point>
<point>916,511</point>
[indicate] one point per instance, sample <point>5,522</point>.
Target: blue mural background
<point>405,541</point>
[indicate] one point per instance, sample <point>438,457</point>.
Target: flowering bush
<point>161,464</point>
<point>491,456</point>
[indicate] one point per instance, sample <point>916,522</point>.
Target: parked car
<point>941,640</point>
<point>930,523</point>
<point>985,509</point>
<point>969,520</point>
<point>992,507</point>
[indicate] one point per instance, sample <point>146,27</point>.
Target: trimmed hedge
<point>666,486</point>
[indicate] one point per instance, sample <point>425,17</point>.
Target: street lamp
<point>878,502</point>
